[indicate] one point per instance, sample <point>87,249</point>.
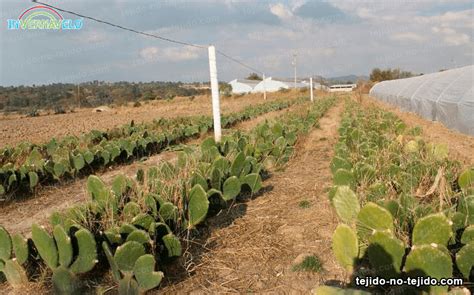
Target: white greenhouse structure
<point>447,97</point>
<point>240,86</point>
<point>273,84</point>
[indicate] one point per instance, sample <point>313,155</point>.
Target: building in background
<point>240,86</point>
<point>342,87</point>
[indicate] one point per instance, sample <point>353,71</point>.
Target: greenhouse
<point>447,97</point>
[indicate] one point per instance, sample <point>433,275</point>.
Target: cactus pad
<point>87,257</point>
<point>434,228</point>
<point>345,246</point>
<point>172,244</point>
<point>427,260</point>
<point>253,181</point>
<point>5,244</point>
<point>385,254</point>
<point>65,282</point>
<point>468,235</point>
<point>231,188</point>
<point>14,273</point>
<point>20,248</point>
<point>127,254</point>
<point>373,217</point>
<point>45,245</point>
<point>145,274</point>
<point>198,206</point>
<point>346,204</point>
<point>64,246</point>
<point>465,259</point>
<point>344,177</point>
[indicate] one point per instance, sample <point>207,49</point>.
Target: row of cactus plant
<point>395,220</point>
<point>136,226</point>
<point>27,165</point>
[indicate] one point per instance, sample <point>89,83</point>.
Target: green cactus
<point>130,210</point>
<point>385,254</point>
<point>139,236</point>
<point>168,211</point>
<point>13,267</point>
<point>173,245</point>
<point>253,181</point>
<point>237,164</point>
<point>373,217</point>
<point>132,269</point>
<point>346,204</point>
<point>231,188</point>
<point>78,162</point>
<point>143,220</point>
<point>98,191</point>
<point>120,185</point>
<point>215,178</point>
<point>466,179</point>
<point>344,177</point>
<point>466,207</point>
<point>465,259</point>
<point>338,162</point>
<point>468,235</point>
<point>434,228</point>
<point>198,206</point>
<point>197,178</point>
<point>33,177</point>
<point>427,260</point>
<point>345,246</point>
<point>58,254</point>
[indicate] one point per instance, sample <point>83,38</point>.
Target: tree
<point>378,75</point>
<point>253,76</point>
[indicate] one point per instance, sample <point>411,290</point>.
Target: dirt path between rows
<point>18,216</point>
<point>255,249</point>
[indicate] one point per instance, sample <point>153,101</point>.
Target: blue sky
<point>330,38</point>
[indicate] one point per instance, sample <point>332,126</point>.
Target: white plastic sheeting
<point>447,97</point>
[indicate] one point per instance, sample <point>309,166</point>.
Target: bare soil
<point>15,128</point>
<point>252,247</point>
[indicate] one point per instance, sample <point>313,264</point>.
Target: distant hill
<point>345,79</point>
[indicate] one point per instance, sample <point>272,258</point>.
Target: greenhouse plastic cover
<point>447,97</point>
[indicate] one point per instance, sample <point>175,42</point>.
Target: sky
<point>330,38</point>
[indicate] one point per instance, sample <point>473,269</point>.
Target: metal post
<point>264,88</point>
<point>216,112</point>
<point>311,88</point>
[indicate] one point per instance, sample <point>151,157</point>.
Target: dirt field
<point>15,129</point>
<point>252,247</point>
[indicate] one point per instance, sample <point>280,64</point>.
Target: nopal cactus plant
<point>465,259</point>
<point>346,204</point>
<point>385,254</point>
<point>345,246</point>
<point>13,257</point>
<point>432,261</point>
<point>132,268</point>
<point>434,228</point>
<point>60,256</point>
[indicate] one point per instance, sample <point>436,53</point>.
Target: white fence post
<point>311,88</point>
<point>216,111</point>
<point>264,88</point>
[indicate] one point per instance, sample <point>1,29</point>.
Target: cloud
<point>451,36</point>
<point>174,54</point>
<point>281,11</point>
<point>408,36</point>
